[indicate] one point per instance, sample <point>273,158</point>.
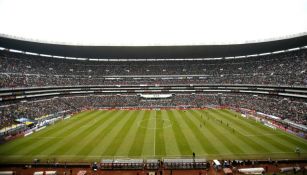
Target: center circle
<point>166,123</point>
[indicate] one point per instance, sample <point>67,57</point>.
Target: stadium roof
<point>156,52</point>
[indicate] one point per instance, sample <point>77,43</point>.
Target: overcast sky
<point>152,22</point>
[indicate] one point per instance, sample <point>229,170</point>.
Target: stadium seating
<point>20,71</point>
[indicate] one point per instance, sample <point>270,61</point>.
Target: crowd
<point>19,70</point>
<point>292,109</point>
<point>30,109</point>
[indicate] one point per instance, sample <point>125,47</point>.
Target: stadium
<point>227,108</point>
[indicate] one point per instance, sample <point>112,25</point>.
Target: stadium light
<point>31,53</point>
<point>293,49</point>
<point>45,55</point>
<point>15,51</point>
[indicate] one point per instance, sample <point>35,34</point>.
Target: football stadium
<point>110,99</point>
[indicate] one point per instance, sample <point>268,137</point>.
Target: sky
<point>152,22</point>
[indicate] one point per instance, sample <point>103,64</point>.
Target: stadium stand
<point>18,70</point>
<point>32,86</point>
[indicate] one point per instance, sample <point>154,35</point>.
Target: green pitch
<point>211,134</point>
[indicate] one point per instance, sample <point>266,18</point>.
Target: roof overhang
<point>147,52</point>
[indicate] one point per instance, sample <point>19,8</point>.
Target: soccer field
<point>211,134</point>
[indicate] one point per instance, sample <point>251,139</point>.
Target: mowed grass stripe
<point>248,125</point>
<point>19,144</point>
<point>280,136</point>
<point>194,142</point>
<point>198,133</point>
<point>138,141</point>
<point>36,140</point>
<point>251,143</point>
<point>96,140</point>
<point>82,133</point>
<point>64,134</point>
<point>229,142</point>
<point>150,135</point>
<point>97,149</point>
<point>75,119</point>
<point>159,147</point>
<point>217,143</point>
<point>181,140</point>
<point>271,142</point>
<point>224,146</point>
<point>62,125</point>
<point>171,148</point>
<point>87,144</point>
<point>118,139</point>
<point>127,142</point>
<point>295,141</point>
